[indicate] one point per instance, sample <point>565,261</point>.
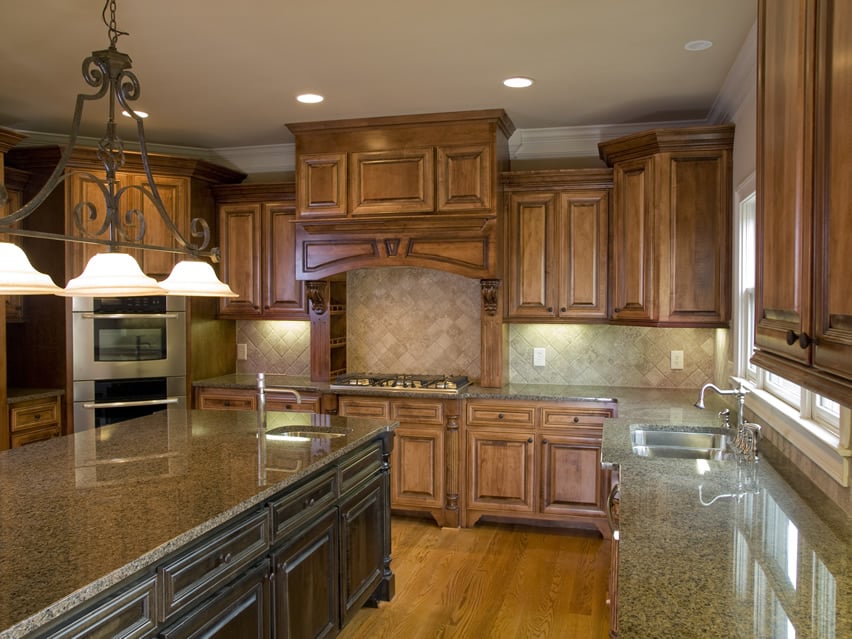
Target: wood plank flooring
<point>495,581</point>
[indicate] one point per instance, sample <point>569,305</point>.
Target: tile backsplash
<point>411,320</point>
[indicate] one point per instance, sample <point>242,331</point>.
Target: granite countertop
<point>82,512</point>
<point>721,548</point>
<point>16,395</point>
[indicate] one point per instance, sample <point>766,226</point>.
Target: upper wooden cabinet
<point>15,181</point>
<point>556,244</point>
<point>671,226</point>
<point>183,184</point>
<point>803,310</point>
<point>400,191</point>
<point>258,252</point>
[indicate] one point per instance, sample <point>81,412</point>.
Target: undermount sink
<point>288,434</point>
<point>679,444</point>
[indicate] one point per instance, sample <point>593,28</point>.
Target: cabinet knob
<point>563,310</point>
<point>530,440</point>
<point>500,415</point>
<point>616,310</point>
<point>549,309</point>
<point>804,339</point>
<point>576,420</point>
<point>310,502</point>
<point>37,416</point>
<point>288,406</point>
<point>225,558</point>
<point>544,441</point>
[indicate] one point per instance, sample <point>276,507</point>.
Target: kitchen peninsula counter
<point>83,513</point>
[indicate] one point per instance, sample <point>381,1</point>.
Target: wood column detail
<point>493,334</point>
<point>452,456</point>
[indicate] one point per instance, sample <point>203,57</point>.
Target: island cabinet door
<point>500,476</point>
<point>362,543</point>
<point>239,611</point>
<point>306,589</point>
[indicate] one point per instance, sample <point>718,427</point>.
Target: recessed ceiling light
<point>697,45</point>
<point>518,82</point>
<point>141,114</point>
<point>309,98</point>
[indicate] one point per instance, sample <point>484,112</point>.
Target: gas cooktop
<point>446,384</point>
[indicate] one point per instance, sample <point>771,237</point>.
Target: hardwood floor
<point>494,581</point>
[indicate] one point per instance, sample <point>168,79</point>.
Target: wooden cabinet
<point>802,305</point>
<point>424,463</point>
<point>14,181</point>
<point>258,252</point>
<point>328,328</point>
<point>211,398</point>
<point>400,191</point>
<point>306,581</point>
<point>34,420</point>
<point>671,226</point>
<point>557,244</point>
<point>537,461</point>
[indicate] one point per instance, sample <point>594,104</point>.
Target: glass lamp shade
<point>18,277</point>
<point>196,279</point>
<point>112,275</point>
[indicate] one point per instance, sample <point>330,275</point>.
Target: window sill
<point>820,446</point>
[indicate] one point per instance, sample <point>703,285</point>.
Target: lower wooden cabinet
<point>246,399</point>
<point>425,459</point>
<point>306,581</point>
<point>34,420</point>
<point>536,461</point>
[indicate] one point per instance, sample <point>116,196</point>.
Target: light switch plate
<point>538,357</point>
<point>677,360</point>
<point>242,352</point>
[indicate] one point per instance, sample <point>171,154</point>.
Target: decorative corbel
<point>490,296</point>
<point>315,290</point>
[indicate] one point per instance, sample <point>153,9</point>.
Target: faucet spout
<point>739,392</point>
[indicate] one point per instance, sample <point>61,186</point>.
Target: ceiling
<point>221,74</point>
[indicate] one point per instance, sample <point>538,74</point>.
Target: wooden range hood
<point>418,190</point>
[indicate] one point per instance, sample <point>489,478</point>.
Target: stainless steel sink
<point>289,434</point>
<point>680,444</point>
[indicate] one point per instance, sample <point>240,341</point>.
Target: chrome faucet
<point>262,390</point>
<point>739,392</point>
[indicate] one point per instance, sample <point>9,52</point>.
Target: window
<point>806,411</point>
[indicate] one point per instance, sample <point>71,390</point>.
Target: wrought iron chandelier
<point>111,273</point>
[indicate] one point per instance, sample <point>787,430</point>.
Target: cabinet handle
<point>530,440</point>
<point>804,339</point>
<point>37,416</point>
<point>225,558</point>
<point>309,502</point>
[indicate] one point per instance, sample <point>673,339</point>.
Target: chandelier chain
<point>114,32</point>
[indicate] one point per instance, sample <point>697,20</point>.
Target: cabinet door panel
<point>633,241</point>
<point>392,182</point>
<point>322,184</point>
<point>501,471</point>
<point>284,295</point>
<point>417,464</point>
<point>784,175</point>
<point>173,193</point>
<point>583,235</point>
<point>306,573</point>
<point>571,472</point>
<point>833,220</point>
<point>241,264</point>
<point>464,178</point>
<point>531,255</point>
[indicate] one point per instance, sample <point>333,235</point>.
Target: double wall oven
<point>129,358</point>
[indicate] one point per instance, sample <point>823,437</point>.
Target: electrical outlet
<point>677,360</point>
<point>242,352</point>
<point>538,357</point>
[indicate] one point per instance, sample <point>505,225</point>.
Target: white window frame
<point>819,434</point>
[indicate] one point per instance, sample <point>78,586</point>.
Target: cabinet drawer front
<point>363,407</point>
<point>288,513</point>
<point>35,435</point>
<point>289,405</point>
<point>34,414</point>
<point>131,615</point>
<point>227,401</point>
<point>497,413</point>
<point>591,418</point>
<point>200,571</point>
<point>358,468</point>
<point>420,412</point>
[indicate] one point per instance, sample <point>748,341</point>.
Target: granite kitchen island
<point>145,522</point>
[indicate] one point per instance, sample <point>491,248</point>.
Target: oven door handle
<point>144,402</point>
<point>128,315</point>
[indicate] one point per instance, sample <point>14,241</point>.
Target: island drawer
<point>207,566</point>
<point>131,614</point>
<point>355,470</point>
<point>291,511</point>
